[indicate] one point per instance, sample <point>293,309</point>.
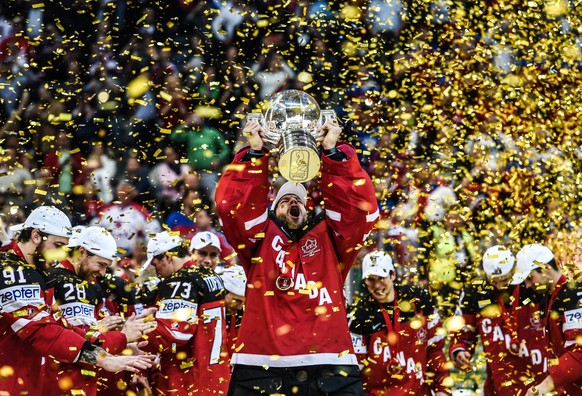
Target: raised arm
<point>350,200</point>
<point>242,195</point>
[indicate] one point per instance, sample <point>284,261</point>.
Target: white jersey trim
<point>21,323</point>
<point>333,215</point>
<point>569,343</point>
<point>18,305</point>
<point>178,335</point>
<point>373,216</point>
<point>261,219</point>
<point>435,339</point>
<point>337,216</point>
<point>572,326</point>
<point>294,360</point>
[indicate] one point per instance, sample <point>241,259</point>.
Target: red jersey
<point>191,333</point>
<point>27,329</point>
<point>483,316</point>
<point>80,304</point>
<point>121,296</point>
<point>565,329</point>
<point>233,320</point>
<point>415,348</point>
<point>121,299</point>
<point>306,324</point>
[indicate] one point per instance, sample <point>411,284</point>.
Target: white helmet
<point>530,257</point>
<point>377,263</point>
<point>47,219</point>
<point>98,241</point>
<point>498,261</point>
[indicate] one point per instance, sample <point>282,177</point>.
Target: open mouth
<point>294,211</point>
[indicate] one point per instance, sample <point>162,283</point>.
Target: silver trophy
<point>291,123</point>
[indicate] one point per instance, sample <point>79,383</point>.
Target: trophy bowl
<point>291,125</point>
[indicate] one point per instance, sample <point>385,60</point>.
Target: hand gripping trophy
<point>291,123</point>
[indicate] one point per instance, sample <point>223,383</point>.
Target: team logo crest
<point>310,248</point>
<point>535,321</point>
<point>421,335</point>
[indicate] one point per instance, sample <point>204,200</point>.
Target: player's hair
<point>26,235</point>
<point>179,251</point>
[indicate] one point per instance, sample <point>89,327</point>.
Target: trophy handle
<point>271,138</point>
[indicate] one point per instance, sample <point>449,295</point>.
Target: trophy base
<point>299,164</point>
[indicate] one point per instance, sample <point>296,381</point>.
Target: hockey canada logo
<point>535,321</point>
<point>421,335</point>
<point>310,248</point>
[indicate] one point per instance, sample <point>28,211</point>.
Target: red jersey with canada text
<point>510,359</point>
<point>305,324</point>
<point>395,358</point>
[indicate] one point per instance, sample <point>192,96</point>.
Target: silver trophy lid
<point>292,109</point>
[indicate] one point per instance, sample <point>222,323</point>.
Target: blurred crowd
<point>465,114</point>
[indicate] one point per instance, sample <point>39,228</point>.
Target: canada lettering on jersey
<point>313,287</point>
<point>277,245</point>
<point>382,349</point>
<point>498,336</point>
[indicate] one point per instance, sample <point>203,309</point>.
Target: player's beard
<point>84,274</point>
<point>294,218</point>
<point>38,257</point>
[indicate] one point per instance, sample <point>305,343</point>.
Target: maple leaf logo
<point>310,248</point>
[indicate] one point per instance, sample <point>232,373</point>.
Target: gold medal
<point>514,347</point>
<point>510,320</point>
<point>393,367</point>
<point>284,283</point>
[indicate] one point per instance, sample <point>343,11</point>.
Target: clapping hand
<point>110,323</point>
<point>135,328</point>
<point>118,363</point>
